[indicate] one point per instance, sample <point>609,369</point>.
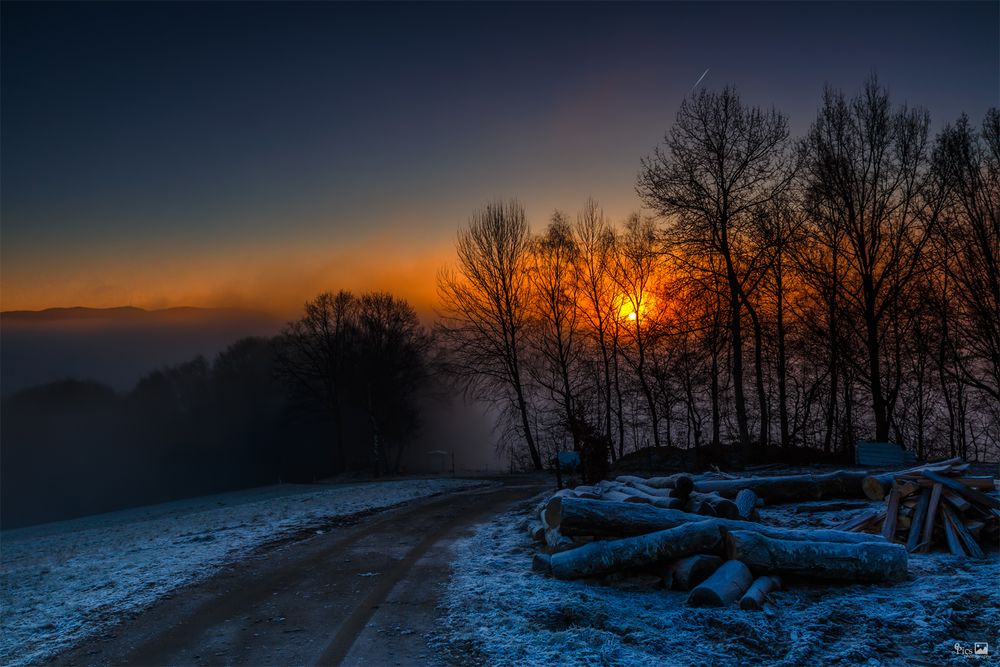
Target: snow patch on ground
<point>499,612</point>
<point>65,581</point>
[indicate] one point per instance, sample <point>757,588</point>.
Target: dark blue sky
<point>253,153</point>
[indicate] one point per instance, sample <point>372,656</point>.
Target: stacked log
<point>703,534</point>
<point>933,507</point>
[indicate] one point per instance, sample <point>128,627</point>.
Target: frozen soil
<point>499,612</point>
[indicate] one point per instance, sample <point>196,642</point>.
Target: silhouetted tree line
<point>336,391</point>
<point>781,292</point>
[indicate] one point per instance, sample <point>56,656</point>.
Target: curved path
<point>357,595</point>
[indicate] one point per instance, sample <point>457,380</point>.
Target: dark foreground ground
<point>358,595</point>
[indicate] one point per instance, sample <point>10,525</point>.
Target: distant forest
<point>339,390</point>
<point>781,293</point>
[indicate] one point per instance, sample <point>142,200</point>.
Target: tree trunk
<point>522,408</point>
<point>782,360</point>
<point>871,561</point>
<point>598,518</point>
<point>736,338</point>
<point>874,362</point>
<point>791,488</point>
<point>606,556</point>
<point>764,437</point>
<point>724,587</point>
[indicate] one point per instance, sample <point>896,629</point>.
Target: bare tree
<point>867,162</point>
<point>595,242</point>
<point>484,310</point>
<point>555,285</point>
<point>392,354</point>
<point>721,161</point>
<point>968,165</point>
<point>313,354</point>
<point>637,264</point>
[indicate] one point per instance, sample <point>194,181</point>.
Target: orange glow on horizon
<point>276,280</point>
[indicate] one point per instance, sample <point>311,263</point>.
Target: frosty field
<point>499,612</point>
<point>64,581</point>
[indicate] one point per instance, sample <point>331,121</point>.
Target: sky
<point>253,155</point>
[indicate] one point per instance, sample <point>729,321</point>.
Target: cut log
<point>791,488</point>
<point>746,503</point>
<point>724,587</point>
<point>965,537</point>
<point>606,556</point>
<point>876,487</point>
<point>577,516</point>
<point>621,497</point>
<point>649,490</point>
<point>541,563</point>
<point>891,514</point>
<point>932,508</point>
<point>869,561</point>
<point>537,531</point>
<point>636,495</point>
<point>687,573</point>
<point>683,486</point>
<point>757,594</point>
<point>917,522</point>
<point>722,507</point>
<point>831,506</point>
<point>971,494</point>
<point>556,541</point>
<point>700,507</point>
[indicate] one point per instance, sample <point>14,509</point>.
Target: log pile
<point>938,506</point>
<point>704,535</point>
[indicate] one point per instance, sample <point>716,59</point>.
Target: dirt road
<point>357,595</point>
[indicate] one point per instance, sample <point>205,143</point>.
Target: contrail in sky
<point>699,80</point>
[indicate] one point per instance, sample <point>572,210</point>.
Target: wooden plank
<point>983,483</point>
<point>859,520</point>
<point>974,527</point>
<point>891,514</point>
<point>913,540</point>
<point>950,534</point>
<point>956,501</point>
<point>831,506</point>
<point>928,535</point>
<point>968,541</point>
<point>977,497</point>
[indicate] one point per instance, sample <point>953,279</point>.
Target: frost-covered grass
<point>65,581</point>
<point>499,612</point>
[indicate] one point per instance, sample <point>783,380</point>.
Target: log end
<point>542,563</point>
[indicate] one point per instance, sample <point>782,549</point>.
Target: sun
<point>633,316</point>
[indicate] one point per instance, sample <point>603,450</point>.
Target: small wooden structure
<point>868,453</point>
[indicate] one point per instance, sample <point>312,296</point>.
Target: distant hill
<point>115,346</point>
